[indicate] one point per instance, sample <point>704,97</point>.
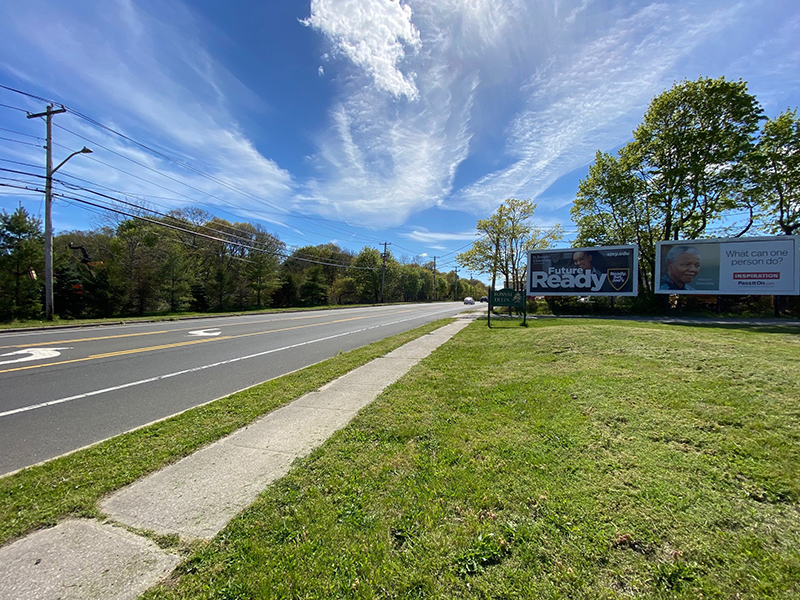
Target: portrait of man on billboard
<point>681,266</point>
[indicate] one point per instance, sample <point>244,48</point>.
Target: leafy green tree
<point>174,275</point>
<point>21,260</point>
<point>313,291</point>
<point>134,244</point>
<point>410,282</point>
<point>612,208</point>
<point>690,151</point>
<point>344,291</point>
<point>366,272</point>
<point>777,159</point>
<point>262,271</point>
<point>505,238</point>
<point>103,285</point>
<point>686,168</point>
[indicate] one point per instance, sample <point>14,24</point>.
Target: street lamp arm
<point>83,150</point>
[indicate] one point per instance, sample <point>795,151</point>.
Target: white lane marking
<point>32,354</point>
<point>205,332</point>
<point>204,367</point>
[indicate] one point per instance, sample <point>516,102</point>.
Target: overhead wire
<point>169,158</point>
<point>318,222</point>
<point>280,210</point>
<point>231,228</point>
<point>189,231</point>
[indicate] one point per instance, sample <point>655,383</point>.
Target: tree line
<point>189,260</point>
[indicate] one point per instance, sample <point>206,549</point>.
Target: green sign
<point>508,297</point>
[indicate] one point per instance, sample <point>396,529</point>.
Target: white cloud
<point>425,236</point>
<point>374,35</point>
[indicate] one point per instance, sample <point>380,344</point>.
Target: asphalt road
<point>64,389</point>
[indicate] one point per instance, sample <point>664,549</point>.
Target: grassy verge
<point>570,459</point>
<point>71,485</point>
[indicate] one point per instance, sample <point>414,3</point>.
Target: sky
<point>358,122</point>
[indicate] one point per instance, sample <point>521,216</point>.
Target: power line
<point>5,139</point>
<point>231,228</point>
<point>177,162</point>
<point>189,231</point>
<point>13,107</point>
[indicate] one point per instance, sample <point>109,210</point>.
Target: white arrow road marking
<point>206,332</point>
<point>33,354</point>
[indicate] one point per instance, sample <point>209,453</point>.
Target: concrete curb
<point>197,496</point>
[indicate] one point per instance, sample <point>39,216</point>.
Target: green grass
<point>40,496</point>
<point>571,459</point>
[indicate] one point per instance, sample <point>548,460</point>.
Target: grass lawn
<point>572,459</point>
<point>40,496</point>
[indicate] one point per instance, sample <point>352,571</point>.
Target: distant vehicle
<point>484,299</point>
<point>469,300</point>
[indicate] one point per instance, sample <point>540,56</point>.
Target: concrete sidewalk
<point>197,496</point>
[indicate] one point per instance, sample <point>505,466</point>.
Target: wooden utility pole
<point>434,279</point>
<point>48,210</point>
<point>383,272</point>
<point>48,205</point>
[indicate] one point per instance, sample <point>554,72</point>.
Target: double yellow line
<point>175,345</point>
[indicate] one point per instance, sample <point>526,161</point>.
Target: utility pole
<point>456,293</point>
<point>383,271</point>
<point>434,279</point>
<point>48,205</point>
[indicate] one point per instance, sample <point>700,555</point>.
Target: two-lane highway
<point>64,389</point>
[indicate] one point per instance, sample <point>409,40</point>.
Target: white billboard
<point>601,271</point>
<point>741,266</point>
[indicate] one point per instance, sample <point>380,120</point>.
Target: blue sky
<point>363,121</point>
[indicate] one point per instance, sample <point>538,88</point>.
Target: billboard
<point>746,266</point>
<point>602,271</point>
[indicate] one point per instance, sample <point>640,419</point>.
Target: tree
<point>262,272</point>
<point>505,238</point>
<point>612,208</point>
<point>690,152</point>
<point>686,167</point>
<point>777,174</point>
<point>343,290</point>
<point>314,292</point>
<point>21,258</point>
<point>366,271</point>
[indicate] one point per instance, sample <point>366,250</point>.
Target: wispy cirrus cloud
<point>560,81</point>
<point>427,237</point>
<point>153,79</point>
<point>591,94</point>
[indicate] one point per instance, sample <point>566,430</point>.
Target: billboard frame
<point>794,239</point>
<point>634,272</point>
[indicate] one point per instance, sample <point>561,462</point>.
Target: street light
<point>48,226</point>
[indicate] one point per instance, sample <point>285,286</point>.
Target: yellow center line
<point>126,335</point>
<point>186,343</point>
